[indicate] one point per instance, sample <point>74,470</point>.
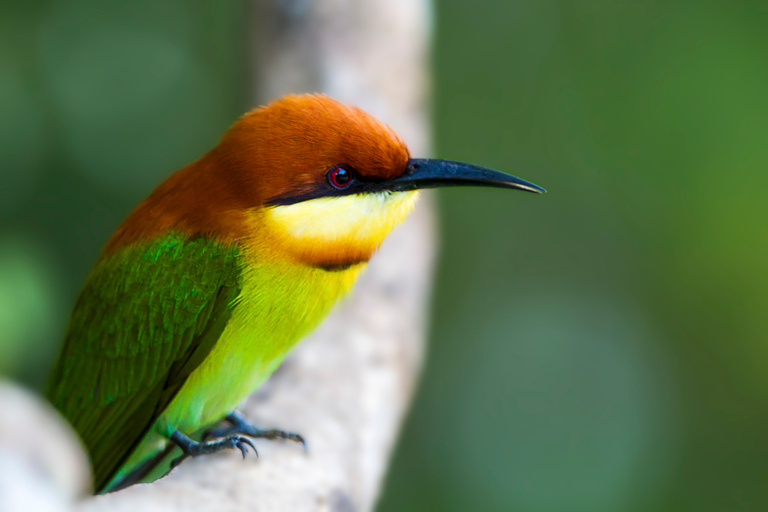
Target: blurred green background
<point>600,348</point>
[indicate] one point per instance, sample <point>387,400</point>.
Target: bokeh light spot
<point>30,301</point>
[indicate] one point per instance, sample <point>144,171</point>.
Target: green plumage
<point>147,317</point>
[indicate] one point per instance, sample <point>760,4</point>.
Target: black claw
<point>249,443</point>
<point>193,448</point>
<point>299,439</point>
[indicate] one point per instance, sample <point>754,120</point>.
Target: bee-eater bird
<point>208,283</point>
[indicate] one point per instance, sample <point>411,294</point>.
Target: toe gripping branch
<point>239,424</point>
<point>193,448</point>
<point>228,438</point>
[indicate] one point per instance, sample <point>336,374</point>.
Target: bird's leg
<point>192,448</point>
<point>241,425</point>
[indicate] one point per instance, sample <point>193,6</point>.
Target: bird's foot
<point>192,448</point>
<point>239,425</point>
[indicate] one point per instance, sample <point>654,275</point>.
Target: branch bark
<point>346,387</point>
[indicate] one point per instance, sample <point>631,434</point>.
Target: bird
<point>204,288</point>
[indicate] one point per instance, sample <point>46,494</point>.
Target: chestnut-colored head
<point>305,178</point>
<point>283,152</point>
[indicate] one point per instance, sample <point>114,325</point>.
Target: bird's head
<point>330,180</point>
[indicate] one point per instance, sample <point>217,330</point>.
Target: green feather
<point>147,316</point>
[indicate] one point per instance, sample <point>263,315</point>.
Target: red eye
<point>340,177</point>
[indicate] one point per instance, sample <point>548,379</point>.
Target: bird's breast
<point>280,303</point>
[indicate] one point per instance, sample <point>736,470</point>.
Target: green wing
<point>146,318</point>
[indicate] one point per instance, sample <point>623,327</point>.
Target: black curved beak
<point>432,173</point>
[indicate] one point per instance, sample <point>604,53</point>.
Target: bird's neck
<point>195,200</point>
